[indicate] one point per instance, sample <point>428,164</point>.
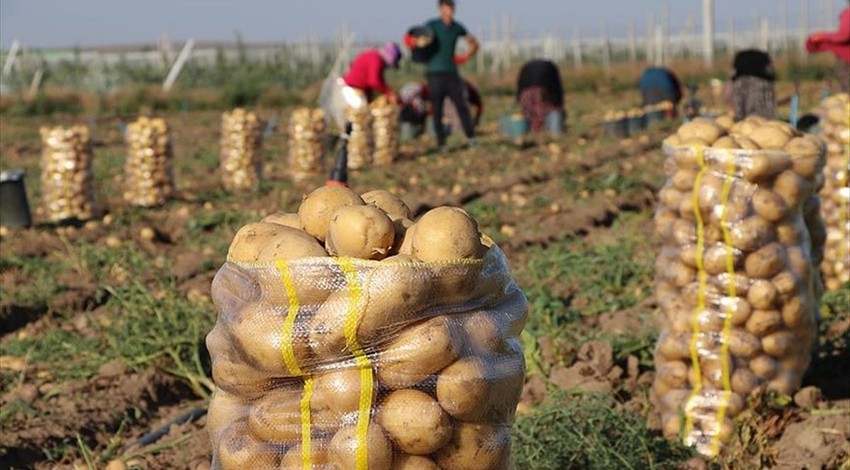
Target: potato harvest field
<point>105,360</point>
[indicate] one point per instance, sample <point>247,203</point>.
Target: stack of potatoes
<point>306,141</point>
<point>351,337</point>
<point>67,191</point>
<point>385,130</point>
<point>835,195</point>
<point>741,235</point>
<point>241,144</point>
<point>360,141</point>
<point>147,171</point>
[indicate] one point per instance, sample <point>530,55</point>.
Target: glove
<point>461,59</point>
<point>409,41</point>
<point>392,97</point>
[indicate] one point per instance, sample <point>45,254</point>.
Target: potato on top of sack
<point>352,337</point>
<point>737,278</point>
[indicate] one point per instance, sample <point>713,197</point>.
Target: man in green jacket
<point>441,70</point>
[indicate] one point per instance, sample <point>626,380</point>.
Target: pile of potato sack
<point>67,191</point>
<point>148,175</point>
<point>835,195</point>
<point>351,337</point>
<point>241,150</point>
<point>737,276</point>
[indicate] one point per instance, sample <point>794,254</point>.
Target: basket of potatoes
<point>351,337</point>
<point>835,194</point>
<point>735,279</point>
<point>306,142</point>
<point>67,189</point>
<point>147,171</point>
<point>241,150</point>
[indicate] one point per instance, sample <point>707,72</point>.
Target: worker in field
<point>659,84</point>
<point>414,98</point>
<point>441,68</point>
<point>540,92</point>
<point>838,43</point>
<point>753,85</point>
<point>364,81</point>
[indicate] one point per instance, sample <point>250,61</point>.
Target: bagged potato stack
<point>66,174</point>
<point>147,170</point>
<point>350,337</point>
<point>306,145</point>
<point>736,278</point>
<point>835,195</point>
<point>385,130</point>
<point>360,141</point>
<point>241,145</point>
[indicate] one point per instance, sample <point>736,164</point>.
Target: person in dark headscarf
<point>539,92</point>
<point>753,85</point>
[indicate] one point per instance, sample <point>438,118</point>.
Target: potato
<point>417,352</point>
<point>762,322</point>
<point>762,294</point>
<point>224,409</point>
<point>711,368</point>
<point>284,218</point>
<point>364,232</point>
<point>708,131</point>
<point>415,422</point>
<point>770,137</point>
<point>671,426</point>
<point>230,373</point>
<point>336,396</point>
<point>476,447</point>
<point>796,312</point>
<point>403,241</point>
<point>725,121</point>
<point>674,374</point>
<point>764,367</point>
<point>293,459</point>
<point>799,261</point>
<point>785,283</point>
<point>483,331</point>
<point>766,262</point>
<point>725,142</point>
<point>674,346</point>
<point>762,166</point>
<point>792,188</point>
<point>318,207</point>
<point>344,445</point>
<point>790,231</point>
<point>744,344</point>
<point>474,388</point>
<point>723,281</point>
<point>769,204</point>
<point>745,143</point>
<point>716,257</point>
<point>752,233</point>
<point>238,449</point>
<point>744,382</point>
<point>684,232</point>
<point>670,197</point>
<point>276,417</point>
<point>447,234</point>
<point>780,344</point>
<point>414,462</point>
<point>786,383</point>
<point>737,307</point>
<point>663,220</point>
<point>388,202</point>
<point>695,142</point>
<point>683,180</point>
<point>257,333</point>
<point>265,242</point>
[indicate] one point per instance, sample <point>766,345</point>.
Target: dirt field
<point>102,329</point>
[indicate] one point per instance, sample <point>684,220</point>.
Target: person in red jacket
<point>839,44</point>
<point>364,81</point>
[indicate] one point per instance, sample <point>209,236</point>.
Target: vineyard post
<point>11,57</point>
<point>708,32</point>
<point>577,47</point>
<point>632,42</point>
<point>804,30</point>
<point>178,64</point>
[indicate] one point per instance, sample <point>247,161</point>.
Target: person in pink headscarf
<point>364,80</point>
<point>839,44</point>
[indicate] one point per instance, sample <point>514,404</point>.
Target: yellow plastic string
<point>727,321</point>
<point>701,273</point>
<point>355,297</point>
<point>288,353</point>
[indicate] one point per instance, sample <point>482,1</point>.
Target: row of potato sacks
<point>241,150</point>
<point>148,176</point>
<point>835,195</point>
<point>351,337</point>
<point>737,278</point>
<point>67,189</point>
<point>306,134</point>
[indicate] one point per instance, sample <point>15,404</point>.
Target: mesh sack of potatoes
<point>360,141</point>
<point>835,194</point>
<point>67,190</point>
<point>735,278</point>
<point>385,130</point>
<point>148,176</point>
<point>241,144</point>
<point>306,142</point>
<point>350,337</point>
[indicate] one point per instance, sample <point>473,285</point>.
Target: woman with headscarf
<point>839,44</point>
<point>539,92</point>
<point>753,85</point>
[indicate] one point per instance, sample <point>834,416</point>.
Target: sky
<point>72,23</point>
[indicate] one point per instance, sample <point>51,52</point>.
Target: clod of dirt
<point>598,354</point>
<point>819,441</point>
<point>808,397</point>
<point>695,463</point>
<point>187,264</point>
<point>580,376</point>
<point>113,368</point>
<point>28,393</point>
<point>116,465</point>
